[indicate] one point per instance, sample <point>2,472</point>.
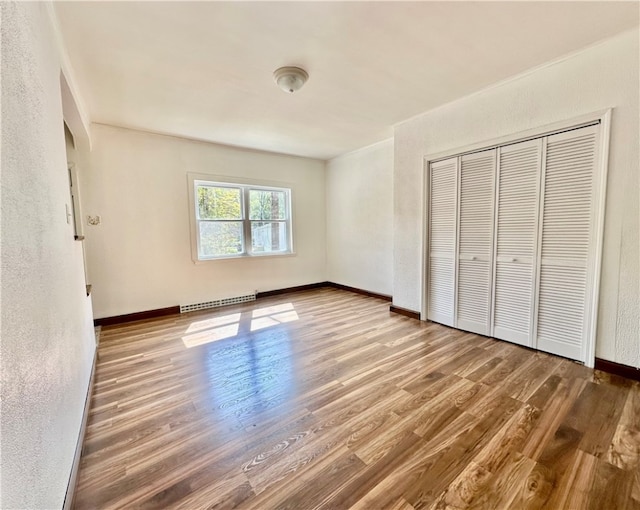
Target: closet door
<point>567,225</point>
<point>475,241</point>
<point>516,241</point>
<point>443,196</point>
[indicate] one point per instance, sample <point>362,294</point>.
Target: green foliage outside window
<point>221,230</point>
<point>218,237</point>
<point>267,205</point>
<point>215,203</point>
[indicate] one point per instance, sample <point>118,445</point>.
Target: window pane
<point>267,205</point>
<point>220,238</point>
<point>216,203</point>
<point>268,236</point>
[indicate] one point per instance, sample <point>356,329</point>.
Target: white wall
<point>47,331</point>
<point>139,257</point>
<point>603,76</point>
<point>360,218</point>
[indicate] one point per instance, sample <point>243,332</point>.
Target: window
<point>237,220</point>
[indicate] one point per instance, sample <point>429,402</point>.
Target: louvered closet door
<point>475,242</point>
<point>516,241</point>
<point>442,240</point>
<point>567,225</point>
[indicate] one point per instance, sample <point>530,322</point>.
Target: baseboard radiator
<point>217,303</point>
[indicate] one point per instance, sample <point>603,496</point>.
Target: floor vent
<point>217,303</point>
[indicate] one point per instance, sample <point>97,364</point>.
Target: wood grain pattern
<point>324,399</point>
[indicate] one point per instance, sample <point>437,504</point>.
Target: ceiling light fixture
<point>290,79</point>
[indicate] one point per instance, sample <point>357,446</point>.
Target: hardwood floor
<point>324,399</point>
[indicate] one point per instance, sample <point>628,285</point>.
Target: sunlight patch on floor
<point>270,310</point>
<point>211,335</point>
<point>273,320</point>
<point>213,323</point>
<point>227,326</point>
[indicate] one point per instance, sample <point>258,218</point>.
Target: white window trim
<point>194,179</point>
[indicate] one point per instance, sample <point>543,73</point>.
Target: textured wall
<point>47,332</point>
<point>139,257</point>
<point>360,218</point>
<point>603,76</point>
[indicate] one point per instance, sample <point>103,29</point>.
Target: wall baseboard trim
<point>320,285</point>
<point>138,316</point>
<point>174,310</point>
<point>73,477</point>
<point>359,291</point>
<point>617,369</point>
<point>403,311</point>
<point>299,288</point>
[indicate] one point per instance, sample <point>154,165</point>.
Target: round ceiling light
<point>290,79</point>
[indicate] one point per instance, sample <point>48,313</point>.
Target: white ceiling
<point>204,69</point>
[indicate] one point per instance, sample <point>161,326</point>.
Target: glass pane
<point>217,203</point>
<point>268,236</point>
<point>267,205</point>
<point>220,238</point>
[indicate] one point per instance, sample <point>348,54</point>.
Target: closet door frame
<point>600,185</point>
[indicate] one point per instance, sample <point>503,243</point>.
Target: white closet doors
<point>566,241</point>
<point>475,241</point>
<point>512,241</point>
<point>443,191</point>
<point>516,240</point>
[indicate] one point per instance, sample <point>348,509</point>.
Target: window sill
<point>247,257</point>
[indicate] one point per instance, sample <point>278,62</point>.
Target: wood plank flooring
<point>324,399</point>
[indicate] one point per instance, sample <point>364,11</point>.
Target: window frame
<point>245,186</point>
